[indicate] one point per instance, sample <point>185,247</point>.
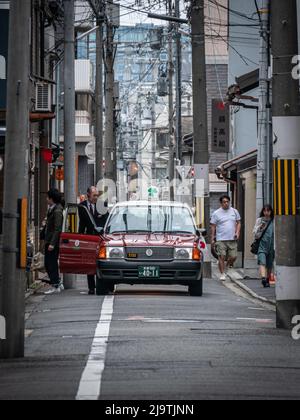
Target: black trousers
<point>51,265</point>
<point>91,282</point>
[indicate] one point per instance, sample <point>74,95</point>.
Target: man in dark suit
<point>86,227</point>
<point>51,237</point>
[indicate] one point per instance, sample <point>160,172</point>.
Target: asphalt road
<point>162,344</point>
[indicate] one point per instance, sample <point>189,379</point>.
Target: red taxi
<point>142,243</point>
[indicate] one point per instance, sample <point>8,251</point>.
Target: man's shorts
<point>227,249</point>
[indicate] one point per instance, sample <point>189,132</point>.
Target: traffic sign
<point>153,192</point>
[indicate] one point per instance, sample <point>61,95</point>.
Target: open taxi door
<point>78,250</point>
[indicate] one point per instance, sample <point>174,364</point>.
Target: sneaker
<point>223,277</point>
<point>266,283</point>
<point>53,290</point>
<point>61,286</point>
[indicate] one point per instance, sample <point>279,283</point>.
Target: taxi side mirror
<point>99,230</point>
<point>202,232</point>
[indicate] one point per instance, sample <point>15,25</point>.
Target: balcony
<point>82,124</point>
<point>84,76</point>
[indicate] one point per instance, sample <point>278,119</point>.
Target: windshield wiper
<point>173,231</point>
<point>129,231</point>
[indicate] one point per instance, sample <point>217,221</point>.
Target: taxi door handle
<point>66,241</point>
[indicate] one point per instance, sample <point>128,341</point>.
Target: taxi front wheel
<point>196,289</point>
<point>102,288</point>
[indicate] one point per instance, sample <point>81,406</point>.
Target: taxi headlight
<point>115,253</point>
<point>183,254</point>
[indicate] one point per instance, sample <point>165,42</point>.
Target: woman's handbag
<point>255,245</point>
<point>38,262</point>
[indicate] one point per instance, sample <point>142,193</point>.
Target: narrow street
<point>162,345</point>
<point>149,202</point>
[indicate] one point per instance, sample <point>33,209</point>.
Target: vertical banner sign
<point>220,127</point>
<point>4,18</point>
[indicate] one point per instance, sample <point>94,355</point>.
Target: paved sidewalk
<point>253,287</point>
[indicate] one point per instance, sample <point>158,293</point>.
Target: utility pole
<point>69,102</point>
<point>139,143</point>
<point>201,151</point>
<point>171,106</point>
<point>153,134</point>
<point>69,112</point>
<point>286,127</point>
<point>262,190</point>
<point>12,287</point>
<point>178,86</point>
<point>99,101</point>
<point>110,138</point>
<point>99,13</point>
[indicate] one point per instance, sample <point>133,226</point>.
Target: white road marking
<point>258,309</point>
<point>157,320</point>
<point>261,321</point>
<point>90,383</point>
<point>169,321</point>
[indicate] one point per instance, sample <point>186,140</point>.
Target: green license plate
<point>149,272</point>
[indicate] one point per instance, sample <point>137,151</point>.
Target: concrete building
<point>84,88</point>
<point>243,79</point>
<point>216,18</point>
<point>240,170</point>
<point>45,18</point>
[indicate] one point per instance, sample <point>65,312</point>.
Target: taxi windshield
<point>151,219</point>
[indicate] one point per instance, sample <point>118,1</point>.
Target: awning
<point>248,81</point>
<point>241,162</point>
<point>41,116</point>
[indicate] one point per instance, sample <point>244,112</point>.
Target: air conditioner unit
<point>43,97</point>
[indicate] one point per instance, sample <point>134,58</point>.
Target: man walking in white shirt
<point>225,233</point>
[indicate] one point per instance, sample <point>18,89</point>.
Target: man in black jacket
<point>88,228</point>
<point>52,235</point>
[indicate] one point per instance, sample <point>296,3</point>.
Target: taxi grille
<point>158,254</point>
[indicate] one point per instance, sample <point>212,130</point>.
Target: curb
<point>249,291</point>
<point>32,291</point>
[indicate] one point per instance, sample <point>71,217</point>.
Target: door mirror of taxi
<point>99,230</point>
<point>202,232</point>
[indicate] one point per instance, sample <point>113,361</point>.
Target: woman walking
<point>264,233</point>
<point>53,230</point>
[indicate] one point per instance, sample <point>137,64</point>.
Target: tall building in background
<point>142,114</point>
<point>141,68</point>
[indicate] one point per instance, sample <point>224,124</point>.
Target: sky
<point>129,17</point>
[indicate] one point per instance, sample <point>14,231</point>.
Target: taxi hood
<point>150,240</point>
